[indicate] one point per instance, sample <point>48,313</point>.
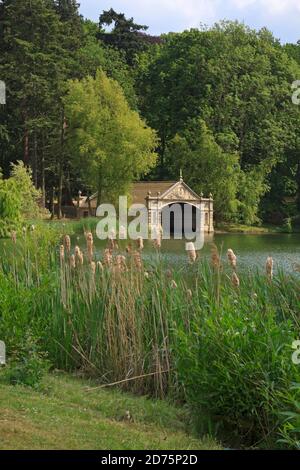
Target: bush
<point>234,361</point>
<point>29,366</point>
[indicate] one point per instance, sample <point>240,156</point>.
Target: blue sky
<point>282,17</point>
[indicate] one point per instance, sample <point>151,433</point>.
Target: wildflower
<point>235,280</point>
<point>231,258</point>
<point>14,236</point>
<point>146,274</point>
<point>173,284</point>
<point>67,243</point>
<point>32,228</point>
<point>140,243</point>
<point>269,268</point>
<point>190,247</point>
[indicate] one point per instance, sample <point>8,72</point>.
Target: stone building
<point>159,196</point>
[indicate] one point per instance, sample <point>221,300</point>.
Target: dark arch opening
<point>182,222</point>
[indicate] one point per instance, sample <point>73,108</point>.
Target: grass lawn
<point>64,415</point>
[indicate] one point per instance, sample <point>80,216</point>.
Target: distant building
<point>158,196</point>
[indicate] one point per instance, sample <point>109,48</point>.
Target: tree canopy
<point>110,144</point>
<point>214,96</point>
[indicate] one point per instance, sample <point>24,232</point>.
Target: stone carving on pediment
<point>180,192</point>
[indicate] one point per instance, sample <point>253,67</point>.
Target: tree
<point>19,199</point>
<point>33,64</point>
<point>125,35</point>
<point>29,195</point>
<point>206,167</point>
<point>236,79</point>
<point>111,145</point>
<point>94,54</point>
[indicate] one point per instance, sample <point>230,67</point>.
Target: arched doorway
<point>180,219</point>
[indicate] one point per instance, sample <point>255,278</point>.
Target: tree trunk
<point>60,168</point>
<point>43,181</point>
<point>26,148</point>
<point>52,207</point>
<point>35,159</point>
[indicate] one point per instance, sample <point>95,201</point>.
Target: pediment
<point>180,191</point>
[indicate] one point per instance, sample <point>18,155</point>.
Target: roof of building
<point>141,189</point>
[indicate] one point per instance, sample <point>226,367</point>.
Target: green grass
<point>64,415</point>
<point>247,229</point>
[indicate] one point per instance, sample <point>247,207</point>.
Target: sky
<point>282,17</point>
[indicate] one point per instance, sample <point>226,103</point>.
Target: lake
<point>251,250</point>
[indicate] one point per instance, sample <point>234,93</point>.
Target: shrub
<point>29,365</point>
<point>234,360</point>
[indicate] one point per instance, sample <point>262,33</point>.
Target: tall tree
<point>236,79</point>
<point>126,35</point>
<point>110,144</point>
<point>206,167</point>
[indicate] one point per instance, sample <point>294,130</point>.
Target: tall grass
<point>207,334</point>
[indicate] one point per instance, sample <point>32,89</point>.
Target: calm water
<point>251,250</point>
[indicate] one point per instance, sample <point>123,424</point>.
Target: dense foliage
<point>234,80</point>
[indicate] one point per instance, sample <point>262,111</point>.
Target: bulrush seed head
<point>157,242</point>
<point>73,262</point>
<point>231,258</point>
<point>140,243</point>
<point>100,266</point>
<point>235,280</point>
<point>121,264</point>
<point>67,243</point>
<point>90,245</point>
<point>62,253</point>
<point>215,258</point>
<point>269,267</point>
<point>192,254</point>
<point>107,257</point>
<point>137,260</point>
<point>93,268</point>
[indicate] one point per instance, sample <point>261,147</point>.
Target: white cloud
<point>272,7</point>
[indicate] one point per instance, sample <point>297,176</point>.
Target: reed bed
<point>207,334</point>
